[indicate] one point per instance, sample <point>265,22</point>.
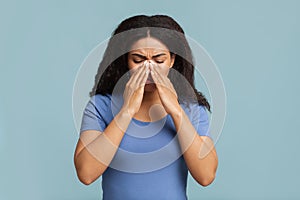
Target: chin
<point>150,87</point>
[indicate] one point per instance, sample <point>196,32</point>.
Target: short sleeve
<point>92,118</point>
<point>200,120</point>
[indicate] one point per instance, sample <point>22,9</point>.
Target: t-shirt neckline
<point>147,122</point>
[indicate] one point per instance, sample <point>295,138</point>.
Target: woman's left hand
<point>167,93</point>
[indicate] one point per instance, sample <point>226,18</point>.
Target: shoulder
<point>203,112</point>
<point>199,118</point>
<point>98,103</point>
<point>101,99</point>
<point>194,110</point>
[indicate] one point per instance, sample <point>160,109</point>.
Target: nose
<point>148,63</point>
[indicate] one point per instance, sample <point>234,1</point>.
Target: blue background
<point>255,44</point>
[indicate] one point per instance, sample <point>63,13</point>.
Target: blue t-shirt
<point>149,163</point>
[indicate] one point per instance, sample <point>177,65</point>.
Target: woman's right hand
<point>134,90</point>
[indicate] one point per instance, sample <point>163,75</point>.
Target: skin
<point>146,99</point>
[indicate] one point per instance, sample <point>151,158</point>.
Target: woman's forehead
<point>148,50</point>
<point>149,44</point>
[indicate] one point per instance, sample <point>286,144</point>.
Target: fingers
<point>161,80</point>
<point>135,75</point>
<point>153,71</point>
<point>138,79</point>
<point>156,78</point>
<point>141,81</point>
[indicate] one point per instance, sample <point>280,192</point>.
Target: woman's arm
<point>198,151</point>
<point>95,150</point>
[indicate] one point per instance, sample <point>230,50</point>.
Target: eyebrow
<point>144,57</point>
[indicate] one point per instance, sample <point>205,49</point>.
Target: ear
<point>172,59</point>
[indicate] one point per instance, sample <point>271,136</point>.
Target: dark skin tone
<point>146,101</point>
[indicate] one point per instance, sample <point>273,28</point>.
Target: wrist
<point>122,119</point>
<point>177,112</point>
<point>125,114</point>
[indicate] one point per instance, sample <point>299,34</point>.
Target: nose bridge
<point>148,62</point>
<point>149,54</point>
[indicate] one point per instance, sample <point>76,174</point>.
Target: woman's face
<point>153,50</point>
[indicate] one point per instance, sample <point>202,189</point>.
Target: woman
<point>141,86</point>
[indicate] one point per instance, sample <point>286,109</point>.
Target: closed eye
<point>138,58</point>
<point>137,61</point>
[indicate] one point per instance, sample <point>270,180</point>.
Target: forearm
<point>198,151</point>
<point>97,154</point>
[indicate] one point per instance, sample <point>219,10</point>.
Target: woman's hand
<point>134,90</point>
<point>167,93</point>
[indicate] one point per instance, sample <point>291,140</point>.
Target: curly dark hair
<point>165,29</point>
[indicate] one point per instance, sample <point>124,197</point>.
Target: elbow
<point>85,178</point>
<point>84,174</point>
<point>207,180</point>
<point>87,172</point>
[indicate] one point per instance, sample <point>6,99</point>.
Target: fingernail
<point>147,71</point>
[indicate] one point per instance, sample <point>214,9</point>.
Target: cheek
<point>166,70</point>
<point>132,66</point>
<point>163,69</point>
